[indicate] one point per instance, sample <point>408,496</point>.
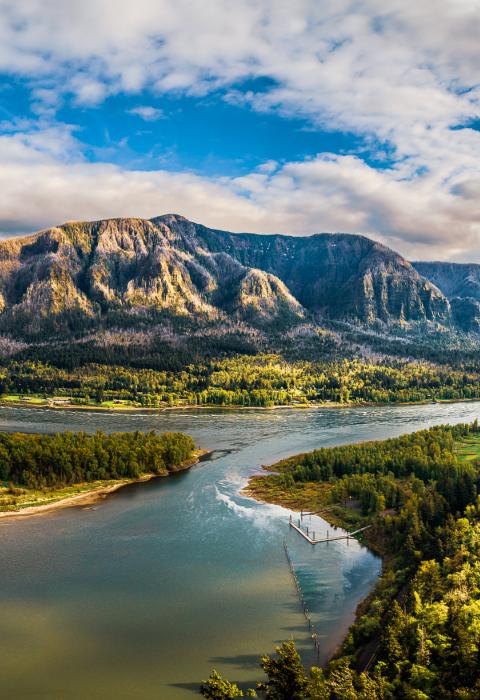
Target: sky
<point>267,116</point>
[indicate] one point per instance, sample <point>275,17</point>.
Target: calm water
<point>141,595</point>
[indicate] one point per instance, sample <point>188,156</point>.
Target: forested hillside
<point>155,312</point>
<point>418,635</point>
<point>260,380</point>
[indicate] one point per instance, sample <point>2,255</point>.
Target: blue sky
<point>205,134</point>
<point>262,116</point>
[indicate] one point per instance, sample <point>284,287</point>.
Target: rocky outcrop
<point>262,298</point>
<point>337,276</point>
<point>129,271</point>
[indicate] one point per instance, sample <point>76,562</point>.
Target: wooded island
<point>36,469</point>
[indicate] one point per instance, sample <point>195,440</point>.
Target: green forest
<point>36,461</point>
<point>261,380</point>
<point>418,635</point>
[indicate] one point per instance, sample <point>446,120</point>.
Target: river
<point>142,594</point>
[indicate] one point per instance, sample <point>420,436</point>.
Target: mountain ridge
<point>123,271</point>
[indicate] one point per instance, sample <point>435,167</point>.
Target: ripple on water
<point>142,595</point>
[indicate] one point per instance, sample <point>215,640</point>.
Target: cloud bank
<point>404,75</point>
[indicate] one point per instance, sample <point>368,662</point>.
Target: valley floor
<point>59,403</point>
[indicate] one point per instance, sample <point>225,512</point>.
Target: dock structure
<point>311,538</point>
<point>311,627</point>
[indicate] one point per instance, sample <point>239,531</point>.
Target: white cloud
<point>422,219</point>
<point>147,113</point>
<point>401,73</point>
<point>88,91</point>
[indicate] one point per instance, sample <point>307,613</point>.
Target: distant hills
<point>128,273</point>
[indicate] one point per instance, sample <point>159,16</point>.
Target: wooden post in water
<point>303,603</point>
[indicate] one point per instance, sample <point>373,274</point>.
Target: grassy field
<point>15,398</point>
<point>59,401</point>
<point>15,498</point>
<point>469,449</point>
<point>271,489</point>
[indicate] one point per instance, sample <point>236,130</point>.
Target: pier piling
<point>306,613</point>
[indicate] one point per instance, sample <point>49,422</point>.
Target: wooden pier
<point>313,540</point>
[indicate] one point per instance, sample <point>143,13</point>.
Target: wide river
<point>142,594</point>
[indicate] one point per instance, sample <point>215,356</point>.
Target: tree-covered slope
<point>418,634</point>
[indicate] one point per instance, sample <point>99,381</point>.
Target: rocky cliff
<point>125,272</point>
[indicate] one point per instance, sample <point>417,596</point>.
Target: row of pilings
<point>301,597</point>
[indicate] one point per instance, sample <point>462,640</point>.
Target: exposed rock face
<point>125,271</point>
<point>460,283</point>
<point>334,275</point>
<point>261,296</point>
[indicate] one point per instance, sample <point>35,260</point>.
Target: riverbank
<point>310,497</point>
<point>60,405</point>
<point>348,486</point>
<point>88,494</point>
<point>313,497</point>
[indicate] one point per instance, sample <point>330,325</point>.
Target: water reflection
<point>140,596</point>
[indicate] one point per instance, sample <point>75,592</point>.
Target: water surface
<point>141,595</point>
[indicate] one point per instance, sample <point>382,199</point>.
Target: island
<point>39,473</point>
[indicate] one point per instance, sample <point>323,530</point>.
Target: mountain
<point>82,274</point>
<point>453,279</point>
<point>335,276</point>
<point>460,283</point>
<point>128,272</point>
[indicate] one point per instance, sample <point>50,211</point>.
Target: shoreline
<point>332,519</point>
<point>194,407</point>
<point>335,521</point>
<point>97,493</point>
<point>359,645</point>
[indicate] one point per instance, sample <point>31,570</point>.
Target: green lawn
<point>469,449</point>
<point>26,398</point>
<point>42,400</point>
<point>14,498</point>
